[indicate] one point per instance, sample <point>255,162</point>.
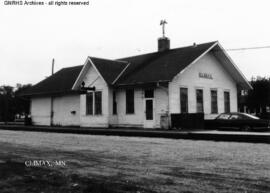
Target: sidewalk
<point>250,137</point>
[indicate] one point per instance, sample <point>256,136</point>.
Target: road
<point>130,164</point>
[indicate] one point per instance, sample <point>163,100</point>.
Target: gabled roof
<point>160,66</point>
<point>109,69</point>
<point>142,69</point>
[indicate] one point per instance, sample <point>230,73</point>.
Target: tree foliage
<point>259,97</point>
<point>11,103</point>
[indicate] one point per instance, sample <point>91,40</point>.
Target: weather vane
<point>163,22</point>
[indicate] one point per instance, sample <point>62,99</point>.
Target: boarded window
<point>114,103</point>
<point>184,100</point>
<point>227,102</point>
<point>98,103</point>
<point>89,103</point>
<point>199,99</point>
<point>130,101</point>
<point>214,105</point>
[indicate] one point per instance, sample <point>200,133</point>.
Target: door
<point>149,113</point>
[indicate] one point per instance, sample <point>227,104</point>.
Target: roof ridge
<point>70,67</point>
<point>121,61</point>
<point>212,42</point>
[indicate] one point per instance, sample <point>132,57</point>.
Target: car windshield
<point>250,116</point>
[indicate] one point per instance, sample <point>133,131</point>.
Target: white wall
<point>137,119</point>
<point>92,78</point>
<point>190,79</point>
<point>62,107</point>
<point>41,110</point>
<point>131,120</point>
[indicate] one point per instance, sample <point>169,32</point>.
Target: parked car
<point>240,121</point>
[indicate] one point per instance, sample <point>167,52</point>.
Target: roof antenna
<point>52,66</point>
<point>163,22</point>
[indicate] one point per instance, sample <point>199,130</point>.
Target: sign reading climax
<point>205,75</point>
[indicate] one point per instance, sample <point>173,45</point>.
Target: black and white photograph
<point>126,96</point>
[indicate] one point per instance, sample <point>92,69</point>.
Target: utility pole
<point>52,66</point>
<point>51,113</point>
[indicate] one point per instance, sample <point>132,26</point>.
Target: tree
<point>11,103</point>
<point>6,95</point>
<point>258,99</point>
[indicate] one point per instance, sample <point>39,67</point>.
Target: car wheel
<point>246,128</point>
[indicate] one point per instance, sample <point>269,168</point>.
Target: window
<point>199,99</point>
<point>98,103</point>
<point>149,93</point>
<point>226,102</point>
<point>184,100</point>
<point>214,105</point>
<point>129,101</point>
<point>114,103</point>
<point>89,103</point>
<point>94,103</point>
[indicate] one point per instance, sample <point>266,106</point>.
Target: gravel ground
<point>130,164</point>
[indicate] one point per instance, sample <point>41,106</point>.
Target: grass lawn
<point>130,164</point>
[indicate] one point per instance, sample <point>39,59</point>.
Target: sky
<point>31,36</point>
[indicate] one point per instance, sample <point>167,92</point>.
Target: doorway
<point>149,109</point>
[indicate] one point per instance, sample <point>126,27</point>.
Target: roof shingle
<point>60,82</point>
<point>160,66</point>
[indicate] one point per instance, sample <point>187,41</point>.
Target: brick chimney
<point>163,44</point>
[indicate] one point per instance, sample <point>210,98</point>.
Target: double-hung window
<point>130,101</point>
<point>94,103</point>
<point>214,104</point>
<point>227,102</point>
<point>184,100</point>
<point>199,99</point>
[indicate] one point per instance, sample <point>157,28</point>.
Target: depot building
<point>137,91</point>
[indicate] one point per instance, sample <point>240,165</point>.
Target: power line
<point>248,48</point>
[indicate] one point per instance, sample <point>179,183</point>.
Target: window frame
<point>94,104</point>
<point>114,112</point>
<point>130,110</point>
<point>149,93</point>
<point>89,110</point>
<point>197,107</point>
<point>186,102</point>
<point>211,101</point>
<point>227,110</point>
